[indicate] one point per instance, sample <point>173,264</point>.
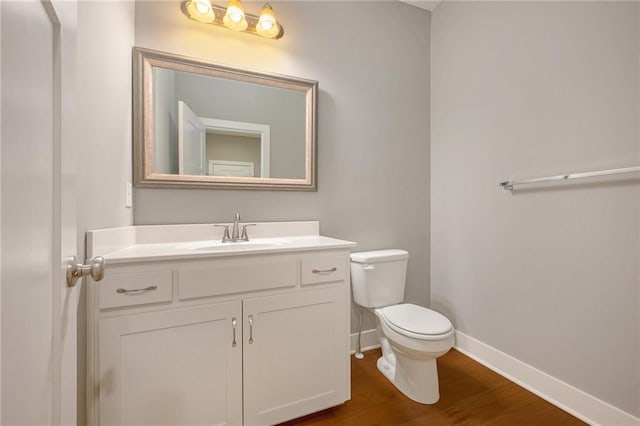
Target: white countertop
<point>194,250</point>
<point>181,242</point>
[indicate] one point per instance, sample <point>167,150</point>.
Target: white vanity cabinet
<point>233,340</point>
<point>174,366</point>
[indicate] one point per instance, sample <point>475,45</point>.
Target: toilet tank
<point>378,277</point>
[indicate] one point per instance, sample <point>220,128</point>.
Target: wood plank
<point>470,394</point>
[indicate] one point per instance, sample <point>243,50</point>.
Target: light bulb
<point>234,19</point>
<point>267,25</point>
<point>201,10</point>
<point>203,6</point>
<point>235,15</point>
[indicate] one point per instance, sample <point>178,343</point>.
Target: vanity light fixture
<point>234,17</point>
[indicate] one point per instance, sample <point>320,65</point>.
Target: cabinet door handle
<point>137,290</point>
<point>324,271</point>
<point>233,323</point>
<point>250,329</point>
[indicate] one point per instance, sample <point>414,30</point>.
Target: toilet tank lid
<point>379,256</point>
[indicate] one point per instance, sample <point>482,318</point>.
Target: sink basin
<point>208,245</point>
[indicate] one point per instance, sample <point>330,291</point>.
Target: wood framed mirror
<point>201,125</point>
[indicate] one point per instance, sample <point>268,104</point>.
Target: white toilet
<point>411,336</point>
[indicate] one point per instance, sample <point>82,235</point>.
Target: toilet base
<point>415,378</point>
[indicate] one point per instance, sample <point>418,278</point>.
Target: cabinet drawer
<point>233,276</point>
<point>135,288</point>
<point>322,269</point>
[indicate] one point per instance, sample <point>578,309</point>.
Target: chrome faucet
<point>235,235</point>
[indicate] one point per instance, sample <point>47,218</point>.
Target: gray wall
<point>549,276</point>
<point>105,38</point>
<point>373,135</point>
<point>165,128</point>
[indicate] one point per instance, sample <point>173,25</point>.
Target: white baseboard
<point>572,400</point>
<point>368,341</point>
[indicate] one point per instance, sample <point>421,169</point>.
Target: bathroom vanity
<point>187,330</point>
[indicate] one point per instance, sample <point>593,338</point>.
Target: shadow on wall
<point>445,307</point>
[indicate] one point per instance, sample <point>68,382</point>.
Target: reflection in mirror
<point>208,126</point>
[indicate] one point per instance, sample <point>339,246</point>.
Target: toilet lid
<point>416,319</point>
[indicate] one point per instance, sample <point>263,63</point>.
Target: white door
<point>231,168</point>
<point>192,142</point>
<point>172,367</point>
<point>37,215</point>
<point>294,354</point>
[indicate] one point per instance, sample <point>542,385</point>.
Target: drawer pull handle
<point>233,323</point>
<point>137,290</point>
<point>250,329</point>
<point>324,271</point>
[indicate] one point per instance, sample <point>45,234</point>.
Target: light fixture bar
<point>220,11</point>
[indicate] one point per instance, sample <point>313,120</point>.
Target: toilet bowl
<point>411,336</point>
<point>409,352</point>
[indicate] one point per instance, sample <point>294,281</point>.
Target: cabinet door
<point>295,354</point>
<point>175,367</point>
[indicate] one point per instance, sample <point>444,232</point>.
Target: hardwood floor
<point>470,394</point>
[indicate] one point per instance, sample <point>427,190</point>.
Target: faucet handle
<point>244,236</point>
<point>225,233</point>
<point>237,216</point>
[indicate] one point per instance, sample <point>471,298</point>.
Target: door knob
<point>76,270</point>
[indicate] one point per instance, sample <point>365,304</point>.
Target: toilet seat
<point>416,321</point>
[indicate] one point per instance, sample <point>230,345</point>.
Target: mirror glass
<point>203,125</point>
